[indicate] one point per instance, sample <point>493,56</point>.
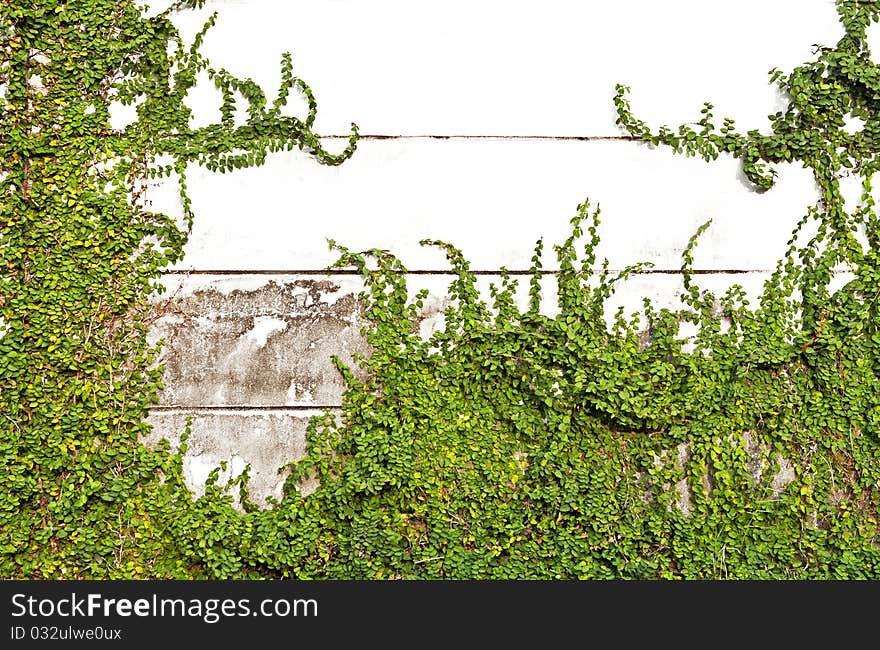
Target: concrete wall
<point>485,124</point>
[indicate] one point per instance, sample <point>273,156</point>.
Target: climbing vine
<point>513,444</point>
<point>80,253</point>
<point>508,444</point>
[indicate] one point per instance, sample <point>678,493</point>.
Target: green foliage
<point>511,443</point>
<point>80,252</point>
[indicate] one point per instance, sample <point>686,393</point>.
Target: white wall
<point>485,124</point>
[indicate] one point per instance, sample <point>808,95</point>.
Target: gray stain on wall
<point>270,346</point>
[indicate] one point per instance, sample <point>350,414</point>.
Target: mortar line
<point>450,272</point>
<point>171,408</point>
<point>464,136</point>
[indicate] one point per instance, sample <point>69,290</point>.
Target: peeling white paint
<point>227,283</point>
<point>264,327</point>
<point>299,395</point>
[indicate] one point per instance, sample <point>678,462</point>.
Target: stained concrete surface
<point>265,440</point>
<point>269,345</point>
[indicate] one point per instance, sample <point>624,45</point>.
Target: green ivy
<point>513,444</point>
<point>509,444</point>
<point>80,255</point>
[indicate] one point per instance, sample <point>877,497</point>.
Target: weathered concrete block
<point>266,440</point>
<point>258,340</point>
